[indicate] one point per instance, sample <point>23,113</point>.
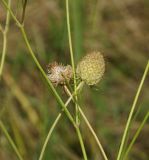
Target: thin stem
<point>38,64</point>
<point>49,135</point>
<point>81,143</point>
<point>69,35</point>
<point>72,58</point>
<point>89,126</point>
<point>11,13</point>
<point>70,39</point>
<point>7,18</point>
<point>10,140</point>
<point>4,32</point>
<point>136,135</point>
<point>45,76</point>
<point>55,93</point>
<point>131,112</point>
<point>127,137</point>
<point>23,12</point>
<point>3,54</point>
<point>55,123</point>
<point>57,96</point>
<point>94,134</point>
<point>47,80</point>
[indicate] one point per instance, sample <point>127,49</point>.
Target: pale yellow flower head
<point>91,68</point>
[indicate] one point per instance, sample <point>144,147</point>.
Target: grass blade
<point>131,112</point>
<point>10,140</point>
<point>136,135</point>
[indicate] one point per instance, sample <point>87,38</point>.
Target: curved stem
<point>131,112</point>
<point>45,77</point>
<point>89,126</point>
<point>47,80</point>
<point>10,140</point>
<point>55,123</point>
<point>55,94</point>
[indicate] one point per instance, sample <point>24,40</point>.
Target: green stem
<point>74,77</point>
<point>94,134</point>
<point>4,32</point>
<point>55,123</point>
<point>10,11</point>
<point>136,135</point>
<point>131,112</point>
<point>49,135</point>
<point>72,58</point>
<point>54,92</point>
<point>10,140</point>
<point>38,64</point>
<point>89,126</point>
<point>81,143</point>
<point>3,53</point>
<point>127,137</point>
<point>21,26</point>
<point>45,76</point>
<point>69,36</point>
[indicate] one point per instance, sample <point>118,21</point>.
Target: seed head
<point>91,68</point>
<point>59,74</point>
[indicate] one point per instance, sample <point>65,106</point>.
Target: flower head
<point>91,68</point>
<point>59,74</point>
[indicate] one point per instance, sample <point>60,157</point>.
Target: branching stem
<point>4,32</point>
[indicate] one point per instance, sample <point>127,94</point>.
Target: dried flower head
<point>91,68</point>
<point>59,74</point>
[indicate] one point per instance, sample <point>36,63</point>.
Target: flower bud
<point>91,68</point>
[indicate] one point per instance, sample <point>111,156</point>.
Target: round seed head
<point>91,68</point>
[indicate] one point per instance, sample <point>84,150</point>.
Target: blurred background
<point>120,30</point>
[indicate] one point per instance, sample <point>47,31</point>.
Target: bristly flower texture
<point>59,74</point>
<point>91,68</point>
